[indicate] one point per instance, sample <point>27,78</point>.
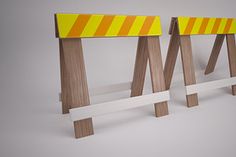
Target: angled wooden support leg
<point>157,74</point>
<point>215,53</point>
<point>171,57</point>
<point>65,89</point>
<point>75,68</point>
<point>230,38</point>
<point>188,68</point>
<point>140,67</point>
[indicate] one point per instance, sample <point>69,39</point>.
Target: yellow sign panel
<point>202,25</point>
<point>93,25</point>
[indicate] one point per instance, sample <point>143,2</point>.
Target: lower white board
<point>192,89</point>
<point>107,89</point>
<point>118,105</point>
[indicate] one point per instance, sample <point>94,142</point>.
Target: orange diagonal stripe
<point>124,30</point>
<point>216,26</point>
<point>203,26</point>
<point>104,25</point>
<point>189,27</point>
<point>228,25</point>
<point>146,25</point>
<point>79,25</point>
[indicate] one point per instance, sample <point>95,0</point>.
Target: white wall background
<point>29,65</point>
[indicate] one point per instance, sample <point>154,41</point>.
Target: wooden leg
<point>171,57</point>
<point>157,74</point>
<point>64,82</point>
<point>230,38</point>
<point>140,68</point>
<point>188,68</point>
<point>74,63</point>
<point>215,53</point>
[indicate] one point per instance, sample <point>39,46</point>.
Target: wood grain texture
<point>173,21</point>
<point>230,39</point>
<point>74,63</point>
<point>140,67</point>
<point>65,87</point>
<point>157,74</point>
<point>172,54</point>
<point>215,53</point>
<point>188,68</point>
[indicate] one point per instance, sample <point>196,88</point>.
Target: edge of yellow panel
<point>232,29</point>
<point>182,23</point>
<point>155,29</point>
<point>65,23</point>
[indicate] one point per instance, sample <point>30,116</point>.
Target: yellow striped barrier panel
<point>204,25</point>
<point>95,25</point>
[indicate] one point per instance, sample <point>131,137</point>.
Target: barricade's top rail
<point>205,25</point>
<point>94,25</point>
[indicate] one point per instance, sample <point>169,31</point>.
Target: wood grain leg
<point>139,68</point>
<point>215,53</point>
<point>157,74</point>
<point>65,92</point>
<point>230,38</point>
<point>188,68</point>
<point>74,63</point>
<point>171,57</point>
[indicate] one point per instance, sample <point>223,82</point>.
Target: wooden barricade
<point>71,28</point>
<point>180,30</point>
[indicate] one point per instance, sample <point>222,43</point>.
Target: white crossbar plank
<point>110,88</point>
<point>118,105</point>
<point>191,89</point>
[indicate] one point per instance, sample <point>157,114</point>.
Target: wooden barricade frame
<point>71,28</point>
<point>181,29</point>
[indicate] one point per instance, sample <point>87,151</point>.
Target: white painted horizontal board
<point>118,105</point>
<point>110,89</point>
<point>192,89</point>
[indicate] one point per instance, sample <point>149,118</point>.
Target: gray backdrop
<point>30,119</point>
